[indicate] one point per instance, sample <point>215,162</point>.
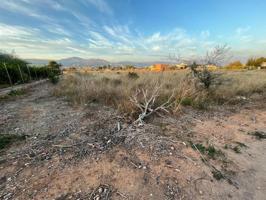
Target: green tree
<point>255,61</point>
<point>54,65</point>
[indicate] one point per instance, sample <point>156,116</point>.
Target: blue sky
<point>131,30</point>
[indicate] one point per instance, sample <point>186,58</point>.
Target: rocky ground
<point>93,152</point>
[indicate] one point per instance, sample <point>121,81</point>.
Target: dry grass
<point>115,89</point>
<point>241,83</point>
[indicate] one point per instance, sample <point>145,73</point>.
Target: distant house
<point>212,67</point>
<point>181,66</point>
<point>208,67</point>
<point>263,65</point>
<point>159,67</point>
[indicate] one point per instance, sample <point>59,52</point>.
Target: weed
<point>210,151</point>
<point>186,102</point>
<point>17,92</point>
<point>237,149</point>
<point>8,139</point>
<point>259,134</point>
<point>218,175</point>
<point>240,144</point>
<point>53,78</point>
<point>132,75</point>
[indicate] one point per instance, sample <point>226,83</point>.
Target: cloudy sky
<point>131,30</point>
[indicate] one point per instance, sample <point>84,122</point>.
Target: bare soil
<point>80,153</point>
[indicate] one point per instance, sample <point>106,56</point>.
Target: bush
<point>53,78</point>
<point>203,75</point>
<point>235,65</point>
<point>132,75</point>
<point>8,139</point>
<point>186,101</point>
<point>255,61</point>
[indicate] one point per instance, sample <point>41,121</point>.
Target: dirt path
<point>78,153</point>
<point>5,91</point>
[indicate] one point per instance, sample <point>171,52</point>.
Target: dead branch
<point>146,101</point>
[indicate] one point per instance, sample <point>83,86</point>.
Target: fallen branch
<point>146,103</point>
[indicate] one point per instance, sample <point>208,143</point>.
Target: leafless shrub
<point>217,55</point>
<point>200,69</point>
<point>146,102</point>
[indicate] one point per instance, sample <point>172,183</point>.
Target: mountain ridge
<point>92,62</point>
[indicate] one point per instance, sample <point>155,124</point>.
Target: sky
<point>131,30</point>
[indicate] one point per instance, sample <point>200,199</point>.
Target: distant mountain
<point>80,62</point>
<point>93,62</point>
<point>72,62</point>
<point>37,61</point>
<point>141,64</point>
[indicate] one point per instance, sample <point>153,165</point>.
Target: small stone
<point>100,190</point>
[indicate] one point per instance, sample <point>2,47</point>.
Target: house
<point>159,67</point>
<point>212,67</point>
<point>181,66</point>
<point>263,65</point>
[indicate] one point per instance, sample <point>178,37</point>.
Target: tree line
<point>14,70</point>
<point>251,62</point>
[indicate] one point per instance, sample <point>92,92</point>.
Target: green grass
<point>210,151</point>
<point>17,92</point>
<point>7,139</point>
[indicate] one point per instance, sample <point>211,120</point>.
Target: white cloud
<point>101,5</point>
<point>23,7</point>
<point>8,31</point>
<point>156,48</point>
<point>205,34</point>
<point>242,30</point>
<point>243,34</point>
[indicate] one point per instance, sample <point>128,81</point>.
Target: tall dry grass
<point>115,89</point>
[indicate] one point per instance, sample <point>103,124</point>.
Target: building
<point>181,66</point>
<point>159,67</point>
<point>263,65</point>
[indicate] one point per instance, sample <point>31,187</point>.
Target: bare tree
<point>216,56</point>
<point>199,69</point>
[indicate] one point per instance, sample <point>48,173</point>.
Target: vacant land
<point>76,140</point>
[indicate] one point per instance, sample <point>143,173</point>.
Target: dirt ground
<point>82,153</point>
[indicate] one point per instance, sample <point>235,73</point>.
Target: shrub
<point>132,75</point>
<point>53,78</point>
<point>186,101</point>
<point>203,75</point>
<point>255,61</point>
<point>8,139</point>
<point>235,65</point>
